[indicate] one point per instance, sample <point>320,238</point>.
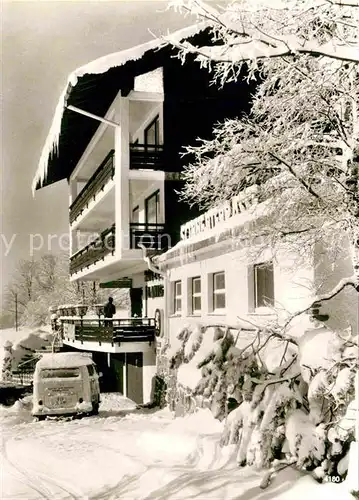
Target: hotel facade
<point>117,137</point>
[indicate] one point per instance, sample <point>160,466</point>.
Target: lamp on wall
<point>99,308</point>
<point>81,310</point>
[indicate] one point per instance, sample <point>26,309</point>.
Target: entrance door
<point>136,302</point>
<point>135,376</point>
<point>117,364</point>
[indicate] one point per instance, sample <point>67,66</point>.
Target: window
<point>136,214</point>
<point>152,208</point>
<point>177,293</point>
<point>196,295</point>
<point>263,285</point>
<point>60,373</point>
<point>152,132</point>
<point>219,291</point>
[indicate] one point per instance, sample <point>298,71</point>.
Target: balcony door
<point>152,133</point>
<point>152,208</point>
<point>136,302</point>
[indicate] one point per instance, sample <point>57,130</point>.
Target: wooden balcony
<point>142,156</point>
<point>113,331</point>
<point>151,236</point>
<point>146,156</point>
<point>95,251</point>
<point>95,185</point>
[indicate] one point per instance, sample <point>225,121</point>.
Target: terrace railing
<point>95,251</point>
<point>146,156</point>
<point>114,331</point>
<point>97,182</point>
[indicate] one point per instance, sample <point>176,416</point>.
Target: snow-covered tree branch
<point>248,32</point>
<point>299,144</point>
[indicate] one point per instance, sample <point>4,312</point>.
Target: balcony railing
<point>146,156</point>
<point>142,156</point>
<point>114,331</point>
<point>95,251</point>
<point>97,182</point>
<point>151,236</point>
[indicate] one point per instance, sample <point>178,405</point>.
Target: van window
<point>60,373</point>
<point>91,370</point>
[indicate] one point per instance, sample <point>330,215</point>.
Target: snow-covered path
<point>124,454</point>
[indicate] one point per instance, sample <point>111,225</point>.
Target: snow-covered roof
<point>97,67</point>
<point>64,360</point>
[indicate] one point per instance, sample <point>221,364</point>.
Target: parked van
<point>65,383</point>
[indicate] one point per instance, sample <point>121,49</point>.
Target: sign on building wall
<point>215,216</point>
<point>124,283</point>
<point>155,291</point>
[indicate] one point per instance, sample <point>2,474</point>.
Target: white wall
<point>143,347</point>
<point>153,304</point>
<point>149,372</point>
<point>291,289</point>
<point>150,82</point>
<point>343,309</point>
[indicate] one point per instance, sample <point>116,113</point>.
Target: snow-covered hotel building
<point>118,130</point>
<point>117,134</point>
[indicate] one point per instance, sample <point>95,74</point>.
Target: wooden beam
<point>91,115</point>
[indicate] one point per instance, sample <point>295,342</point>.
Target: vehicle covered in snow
<point>65,383</point>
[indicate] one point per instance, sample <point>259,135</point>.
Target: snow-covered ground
<point>126,453</point>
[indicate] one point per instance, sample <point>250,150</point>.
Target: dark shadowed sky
<point>41,43</point>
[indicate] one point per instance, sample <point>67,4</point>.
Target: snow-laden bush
<point>298,410</point>
<point>7,361</point>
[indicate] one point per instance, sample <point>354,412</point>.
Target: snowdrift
<point>25,342</point>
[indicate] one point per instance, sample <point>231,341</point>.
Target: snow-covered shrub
<point>7,361</point>
<point>193,343</point>
<point>306,441</point>
<point>295,400</point>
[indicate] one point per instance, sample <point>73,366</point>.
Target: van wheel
<point>95,408</point>
<point>39,418</point>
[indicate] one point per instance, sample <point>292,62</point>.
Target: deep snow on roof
<point>99,66</point>
<point>64,360</point>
